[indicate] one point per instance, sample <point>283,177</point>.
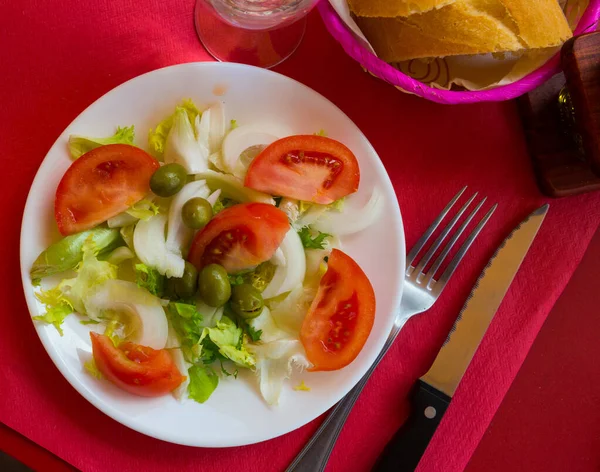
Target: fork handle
<point>314,456</point>
<point>404,451</point>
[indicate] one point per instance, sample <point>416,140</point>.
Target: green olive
<point>246,301</point>
<point>214,285</point>
<point>168,180</point>
<point>196,213</point>
<point>185,287</point>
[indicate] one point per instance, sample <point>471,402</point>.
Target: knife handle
<point>404,451</point>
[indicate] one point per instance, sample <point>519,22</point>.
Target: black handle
<point>404,451</point>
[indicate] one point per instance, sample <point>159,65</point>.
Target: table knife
<point>433,392</point>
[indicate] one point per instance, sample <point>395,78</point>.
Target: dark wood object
<point>562,121</point>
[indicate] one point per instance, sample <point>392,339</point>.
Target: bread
<point>393,8</point>
<point>468,27</point>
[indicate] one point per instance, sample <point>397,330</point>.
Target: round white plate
<point>236,413</point>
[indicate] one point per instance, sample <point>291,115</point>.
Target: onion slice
<point>182,147</point>
<point>151,247</point>
<point>178,234</point>
<point>127,297</point>
<point>232,187</point>
<point>291,273</point>
<point>246,136</point>
<point>342,223</point>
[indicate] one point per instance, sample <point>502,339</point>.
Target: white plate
<point>236,414</point>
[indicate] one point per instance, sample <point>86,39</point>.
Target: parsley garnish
<point>254,334</point>
<point>312,243</point>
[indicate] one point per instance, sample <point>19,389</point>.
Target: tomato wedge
<point>136,369</point>
<point>310,168</point>
<point>240,237</point>
<point>101,184</point>
<point>341,316</point>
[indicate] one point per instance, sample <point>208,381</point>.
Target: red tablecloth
<point>58,58</point>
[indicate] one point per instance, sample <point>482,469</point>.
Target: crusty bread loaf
<point>468,27</point>
<point>393,8</point>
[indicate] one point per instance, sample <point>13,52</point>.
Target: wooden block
<point>580,58</point>
<point>566,154</point>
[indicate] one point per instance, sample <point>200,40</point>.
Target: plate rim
<point>88,394</point>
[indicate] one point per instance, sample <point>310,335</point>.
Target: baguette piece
<point>393,8</point>
<point>468,27</point>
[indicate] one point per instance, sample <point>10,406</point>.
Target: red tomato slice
<point>240,237</point>
<point>310,168</point>
<point>136,369</point>
<point>341,316</point>
<point>101,184</point>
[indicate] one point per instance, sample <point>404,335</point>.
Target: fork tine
<point>439,261</point>
<point>423,239</point>
<point>440,284</point>
<point>440,239</point>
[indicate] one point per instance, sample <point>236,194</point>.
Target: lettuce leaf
<point>67,253</point>
<point>92,369</point>
<point>310,242</point>
<point>228,337</point>
<point>187,322</point>
<point>143,210</point>
<point>203,382</point>
<point>223,203</point>
<point>90,273</point>
<point>79,145</point>
<point>150,279</point>
<point>182,146</point>
<point>157,137</point>
<point>57,307</point>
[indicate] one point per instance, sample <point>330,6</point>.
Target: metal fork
<point>421,291</point>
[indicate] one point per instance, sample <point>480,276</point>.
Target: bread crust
<point>393,8</point>
<point>468,27</point>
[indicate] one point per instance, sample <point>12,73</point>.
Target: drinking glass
<point>258,32</point>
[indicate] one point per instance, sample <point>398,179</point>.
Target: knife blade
<point>433,392</point>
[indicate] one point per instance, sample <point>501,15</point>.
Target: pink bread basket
<point>381,69</point>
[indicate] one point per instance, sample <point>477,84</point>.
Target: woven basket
<point>403,82</point>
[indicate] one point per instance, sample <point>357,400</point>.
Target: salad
<point>215,249</point>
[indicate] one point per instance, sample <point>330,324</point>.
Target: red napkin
<point>59,57</point>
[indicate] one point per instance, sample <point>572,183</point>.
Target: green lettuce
<point>150,279</point>
<point>228,338</point>
<point>143,210</point>
<point>310,242</point>
<point>79,145</point>
<point>67,253</point>
<point>92,369</point>
<point>223,203</point>
<point>157,137</point>
<point>203,382</point>
<point>57,307</point>
<point>188,324</point>
<point>90,273</point>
